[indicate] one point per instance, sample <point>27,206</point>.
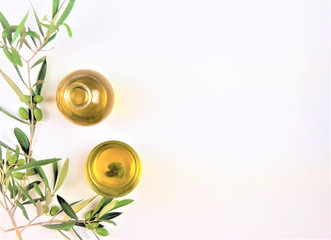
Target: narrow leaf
<point>26,194</point>
<point>66,207</point>
<point>49,197</point>
<point>8,55</point>
<point>11,115</point>
<point>38,22</point>
<point>41,76</point>
<point>33,35</point>
<point>14,87</point>
<point>33,39</point>
<point>49,40</point>
<point>107,208</point>
<point>36,163</point>
<point>62,175</point>
<point>38,62</point>
<point>42,174</point>
<point>55,7</point>
<point>9,152</point>
<point>7,33</point>
<point>6,146</point>
<point>34,200</point>
<point>103,202</point>
<point>38,83</point>
<point>22,140</point>
<point>16,57</point>
<point>3,21</point>
<point>109,221</point>
<point>20,26</point>
<point>23,210</point>
<point>61,226</point>
<point>123,203</point>
<point>19,74</point>
<point>80,206</point>
<point>31,185</point>
<point>66,12</point>
<point>68,29</point>
<point>40,210</point>
<point>55,172</point>
<point>109,216</point>
<point>37,189</point>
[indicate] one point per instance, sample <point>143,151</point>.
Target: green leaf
<point>41,173</point>
<point>8,55</point>
<point>103,202</point>
<point>16,57</point>
<point>22,140</point>
<point>19,74</point>
<point>9,152</point>
<point>33,164</point>
<point>34,200</point>
<point>77,234</point>
<point>66,208</point>
<point>11,115</point>
<point>80,206</point>
<point>38,82</point>
<point>109,216</point>
<point>62,175</point>
<point>40,210</point>
<point>66,12</point>
<point>27,44</point>
<point>20,26</point>
<point>41,76</point>
<point>33,39</point>
<point>37,189</point>
<point>61,226</point>
<point>38,62</point>
<point>123,203</point>
<point>26,194</point>
<point>7,33</point>
<point>23,210</point>
<point>31,185</point>
<point>107,208</point>
<point>68,29</point>
<point>49,40</point>
<point>55,7</point>
<point>38,23</point>
<point>3,21</point>
<point>109,221</point>
<point>56,173</point>
<point>14,87</point>
<point>33,35</point>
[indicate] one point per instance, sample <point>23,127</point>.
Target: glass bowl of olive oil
<point>85,97</point>
<point>113,169</point>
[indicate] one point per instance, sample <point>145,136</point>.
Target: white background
<point>226,102</point>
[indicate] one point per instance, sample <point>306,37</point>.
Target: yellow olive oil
<point>85,97</point>
<point>113,169</point>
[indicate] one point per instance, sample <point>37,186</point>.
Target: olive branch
<point>23,181</point>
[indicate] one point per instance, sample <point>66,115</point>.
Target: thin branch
<point>11,115</point>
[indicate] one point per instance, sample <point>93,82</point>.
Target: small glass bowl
<point>113,169</point>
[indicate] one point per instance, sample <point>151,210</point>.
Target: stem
<point>32,125</point>
<point>31,224</point>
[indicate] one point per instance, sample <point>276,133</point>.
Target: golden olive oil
<point>85,97</point>
<point>113,169</point>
